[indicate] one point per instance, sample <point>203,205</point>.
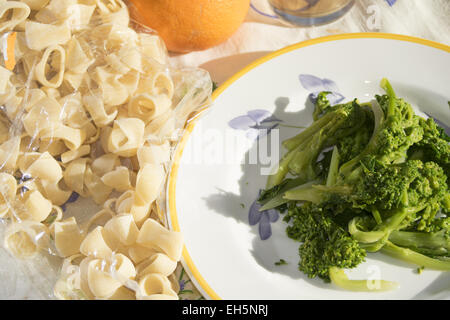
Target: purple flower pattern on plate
<point>391,2</point>
<point>263,219</point>
<point>315,85</point>
<point>257,123</point>
<point>183,281</point>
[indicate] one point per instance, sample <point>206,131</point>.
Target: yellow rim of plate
<point>179,151</point>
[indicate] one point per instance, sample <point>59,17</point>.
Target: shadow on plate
<point>439,288</point>
<point>236,206</point>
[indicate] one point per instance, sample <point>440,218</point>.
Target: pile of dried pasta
<point>89,107</point>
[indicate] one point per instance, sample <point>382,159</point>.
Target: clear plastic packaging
<point>90,112</point>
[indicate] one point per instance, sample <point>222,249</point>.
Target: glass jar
<point>310,12</point>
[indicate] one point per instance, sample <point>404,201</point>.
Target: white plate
<point>211,187</point>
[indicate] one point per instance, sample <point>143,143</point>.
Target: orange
<point>191,25</point>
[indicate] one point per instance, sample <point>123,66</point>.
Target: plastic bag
<point>90,114</point>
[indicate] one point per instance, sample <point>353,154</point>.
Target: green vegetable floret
<point>325,244</point>
<point>396,129</point>
<point>404,200</point>
<point>434,146</point>
<point>411,184</point>
<point>399,131</point>
<point>351,146</point>
<point>326,248</point>
<point>322,105</point>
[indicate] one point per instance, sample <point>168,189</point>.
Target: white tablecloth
<point>258,35</point>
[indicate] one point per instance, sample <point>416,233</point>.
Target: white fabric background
<point>258,35</point>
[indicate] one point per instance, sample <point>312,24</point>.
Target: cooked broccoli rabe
<point>325,244</point>
<point>381,184</point>
<point>304,149</point>
<point>434,145</point>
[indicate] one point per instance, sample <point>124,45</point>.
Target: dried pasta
<point>119,179</point>
<point>8,187</point>
<point>157,263</point>
<point>36,207</point>
<point>94,244</point>
<point>67,237</point>
<point>54,34</point>
<point>18,11</point>
<point>155,286</point>
<point>53,61</point>
<point>155,236</point>
<point>88,110</point>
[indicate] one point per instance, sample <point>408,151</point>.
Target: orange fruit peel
<point>10,59</point>
<point>187,25</point>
